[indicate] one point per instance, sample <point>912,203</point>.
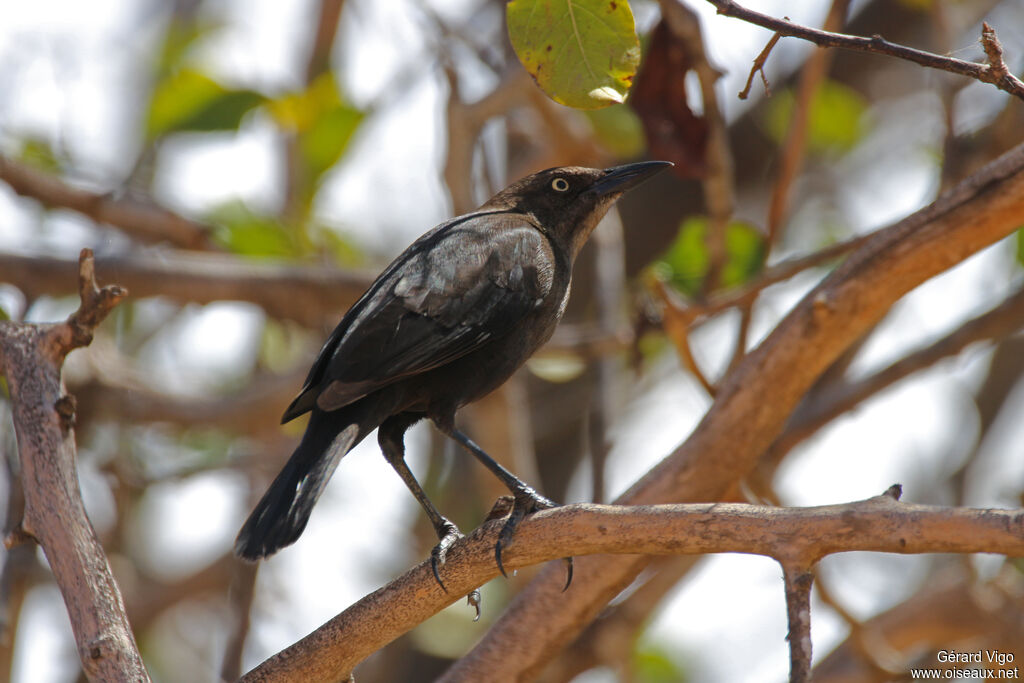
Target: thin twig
<point>758,68</point>
<point>994,72</point>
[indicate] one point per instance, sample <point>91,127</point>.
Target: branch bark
<point>994,72</point>
<point>306,294</point>
<point>997,323</point>
<point>794,536</point>
<point>741,423</point>
<point>31,357</point>
<point>145,222</point>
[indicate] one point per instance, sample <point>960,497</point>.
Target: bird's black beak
<point>621,178</point>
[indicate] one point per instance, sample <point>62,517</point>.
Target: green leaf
<point>657,664</point>
<point>323,123</point>
<point>188,100</point>
<point>325,142</point>
<point>686,262</point>
<point>345,251</point>
<point>3,314</point>
<point>837,117</point>
<point>619,130</point>
<point>180,37</point>
<point>249,234</point>
<point>1020,245</point>
<point>582,53</point>
<point>37,152</point>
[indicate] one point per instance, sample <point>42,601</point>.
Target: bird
<point>446,323</point>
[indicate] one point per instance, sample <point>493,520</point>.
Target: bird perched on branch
<point>445,324</point>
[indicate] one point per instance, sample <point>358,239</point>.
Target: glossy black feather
<point>455,288</point>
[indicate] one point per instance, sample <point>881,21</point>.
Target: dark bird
<point>445,324</point>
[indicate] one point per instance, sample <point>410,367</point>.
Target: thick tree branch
<point>795,536</point>
<point>145,222</point>
<point>31,357</point>
<point>741,424</point>
<point>994,72</point>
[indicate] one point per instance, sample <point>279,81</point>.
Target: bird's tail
<point>281,515</point>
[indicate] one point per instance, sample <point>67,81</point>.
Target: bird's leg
<point>525,499</point>
<point>390,436</point>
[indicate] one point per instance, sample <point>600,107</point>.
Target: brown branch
<point>145,222</point>
<point>794,147</point>
<point>464,123</point>
<point>791,535</point>
<point>677,319</point>
<point>826,406</point>
<point>781,271</point>
<point>741,424</point>
<point>798,580</point>
<point>994,72</point>
<point>758,68</point>
<point>31,357</point>
<point>310,295</point>
<point>874,652</point>
<point>947,612</point>
<point>717,181</point>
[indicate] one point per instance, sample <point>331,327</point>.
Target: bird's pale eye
<point>560,184</point>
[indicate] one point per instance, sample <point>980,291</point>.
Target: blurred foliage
<point>557,367</point>
<point>39,154</point>
<point>656,664</point>
<point>686,262</point>
<point>278,351</point>
<point>188,100</point>
<point>247,233</point>
<point>922,5</point>
<point>582,53</point>
<point>837,117</point>
<point>619,130</point>
<point>318,119</point>
<point>323,124</point>
<point>1020,245</point>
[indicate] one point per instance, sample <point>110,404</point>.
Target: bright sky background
<point>59,62</point>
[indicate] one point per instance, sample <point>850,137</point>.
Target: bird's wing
<point>448,294</point>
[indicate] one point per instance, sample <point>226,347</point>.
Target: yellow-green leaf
<point>582,53</point>
<point>686,262</point>
<point>188,100</point>
<point>38,153</point>
<point>323,123</point>
<point>619,130</point>
<point>837,117</point>
<point>246,233</point>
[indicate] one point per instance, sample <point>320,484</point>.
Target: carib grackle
<point>445,324</point>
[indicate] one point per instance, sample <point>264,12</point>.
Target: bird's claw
<point>448,534</point>
<point>527,501</point>
<point>473,599</point>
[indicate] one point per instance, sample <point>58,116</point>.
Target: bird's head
<point>568,202</point>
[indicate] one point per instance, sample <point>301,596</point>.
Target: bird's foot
<point>448,533</point>
<point>526,501</point>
